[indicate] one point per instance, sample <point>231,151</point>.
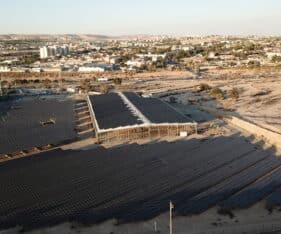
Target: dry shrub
<point>226,212</point>
<point>261,93</point>
<point>117,81</point>
<point>271,101</point>
<point>217,93</point>
<point>104,88</point>
<point>256,100</point>
<point>234,93</point>
<point>204,87</point>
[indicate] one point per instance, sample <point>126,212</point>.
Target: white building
<point>43,52</point>
<point>270,55</point>
<point>101,79</point>
<point>5,69</point>
<point>91,69</point>
<point>112,59</point>
<point>36,69</point>
<point>153,57</point>
<point>135,63</point>
<point>51,51</point>
<point>95,68</point>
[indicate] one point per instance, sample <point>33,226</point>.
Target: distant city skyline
<point>125,17</point>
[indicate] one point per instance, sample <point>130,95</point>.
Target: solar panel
<point>111,112</point>
<point>253,193</point>
<point>21,127</point>
<point>156,110</point>
<point>275,198</point>
<point>129,182</point>
<point>230,186</point>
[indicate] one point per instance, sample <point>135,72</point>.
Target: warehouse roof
<point>121,110</point>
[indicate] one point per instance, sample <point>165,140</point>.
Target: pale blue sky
<point>122,17</point>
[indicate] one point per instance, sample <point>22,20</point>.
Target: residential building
<point>51,51</point>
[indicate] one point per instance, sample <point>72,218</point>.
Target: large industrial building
<point>128,116</point>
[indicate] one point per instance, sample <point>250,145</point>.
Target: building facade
<point>51,51</point>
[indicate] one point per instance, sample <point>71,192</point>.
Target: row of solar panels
<point>111,111</point>
<point>21,127</point>
<point>156,110</point>
<point>135,182</point>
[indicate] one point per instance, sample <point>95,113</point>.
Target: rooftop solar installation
<point>156,110</point>
<point>119,110</point>
<point>134,182</point>
<point>111,112</point>
<point>21,124</point>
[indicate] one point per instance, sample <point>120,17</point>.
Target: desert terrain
<point>253,95</point>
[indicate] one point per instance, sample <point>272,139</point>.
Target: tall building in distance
<point>51,51</point>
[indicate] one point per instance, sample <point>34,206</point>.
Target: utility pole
<point>155,226</point>
<point>171,216</point>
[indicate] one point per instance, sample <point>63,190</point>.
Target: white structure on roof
<point>134,109</point>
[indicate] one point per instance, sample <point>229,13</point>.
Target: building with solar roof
<point>129,116</point>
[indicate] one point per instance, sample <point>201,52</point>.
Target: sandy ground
<point>254,220</point>
<point>259,93</point>
<point>259,101</point>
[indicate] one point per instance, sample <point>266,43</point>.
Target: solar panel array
<point>21,128</point>
<point>111,112</point>
<point>156,110</point>
<point>134,182</point>
<point>255,192</point>
<point>5,105</point>
<point>275,198</point>
<point>230,186</point>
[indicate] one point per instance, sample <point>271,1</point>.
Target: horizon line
<point>142,34</point>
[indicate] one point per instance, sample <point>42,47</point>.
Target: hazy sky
<point>122,17</point>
